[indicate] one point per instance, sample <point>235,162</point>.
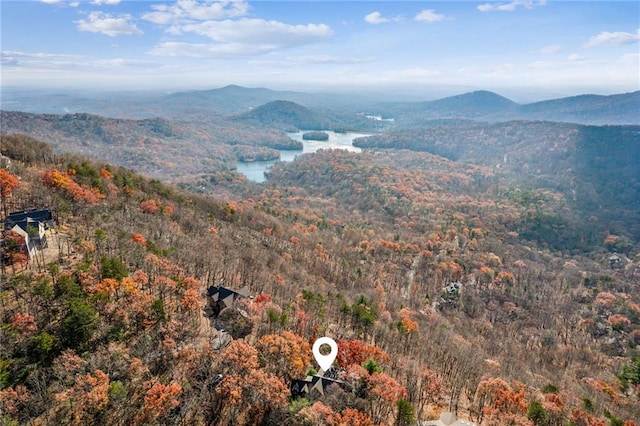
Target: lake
<point>255,170</point>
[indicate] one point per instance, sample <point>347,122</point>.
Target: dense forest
<point>159,148</point>
<point>595,168</point>
<point>446,286</point>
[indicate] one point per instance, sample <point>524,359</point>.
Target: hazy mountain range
<point>541,144</point>
<point>234,100</point>
<point>480,247</point>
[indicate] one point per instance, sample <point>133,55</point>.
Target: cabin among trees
<point>448,419</point>
<point>24,234</point>
<point>315,383</point>
<point>220,297</point>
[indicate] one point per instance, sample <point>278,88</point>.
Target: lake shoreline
<point>254,170</point>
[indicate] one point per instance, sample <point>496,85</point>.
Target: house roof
<point>25,224</point>
<point>222,293</point>
<point>27,217</point>
<point>448,419</point>
<point>319,383</point>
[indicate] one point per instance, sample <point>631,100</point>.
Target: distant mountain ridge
<point>470,105</point>
<point>488,106</point>
<point>595,109</point>
<point>290,116</point>
<point>226,100</point>
<point>285,115</point>
<point>480,105</point>
<point>592,165</point>
<point>340,108</point>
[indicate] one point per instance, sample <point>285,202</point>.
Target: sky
<point>566,47</point>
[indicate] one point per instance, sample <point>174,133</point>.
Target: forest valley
<point>446,286</point>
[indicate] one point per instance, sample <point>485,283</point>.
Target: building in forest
<point>448,419</point>
<point>311,384</point>
<point>31,226</point>
<point>220,297</point>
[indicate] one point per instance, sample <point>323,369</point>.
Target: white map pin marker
<point>325,361</point>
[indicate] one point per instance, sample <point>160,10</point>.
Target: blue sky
<point>554,46</point>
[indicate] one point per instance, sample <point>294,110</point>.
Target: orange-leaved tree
<point>8,183</point>
<point>158,401</point>
<point>56,179</point>
<point>287,355</point>
<point>357,352</point>
<point>247,394</point>
<point>88,396</point>
<point>501,404</point>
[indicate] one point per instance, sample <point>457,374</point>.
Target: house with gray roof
<point>448,419</point>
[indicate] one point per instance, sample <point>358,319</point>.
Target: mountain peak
<point>471,104</point>
<point>237,88</point>
<point>484,98</point>
<point>283,104</point>
<point>285,114</point>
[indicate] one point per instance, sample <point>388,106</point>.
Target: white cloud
<point>204,50</point>
<point>106,2</point>
<point>60,61</point>
<point>375,18</point>
<point>364,76</point>
<point>183,11</point>
<point>122,63</point>
<point>540,64</point>
<point>612,38</point>
<point>328,59</point>
<point>575,57</point>
<point>104,23</point>
<point>15,56</point>
<point>174,30</point>
<point>61,3</point>
<point>260,32</point>
<point>500,72</point>
<point>429,15</point>
<point>631,58</point>
<point>241,37</point>
<point>291,62</point>
<point>552,48</point>
<point>411,74</point>
<point>510,7</point>
<point>31,55</point>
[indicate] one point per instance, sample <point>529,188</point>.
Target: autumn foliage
<point>357,352</point>
<point>8,183</point>
<point>158,400</point>
<point>64,181</point>
<point>86,398</point>
<point>286,354</point>
<point>414,264</point>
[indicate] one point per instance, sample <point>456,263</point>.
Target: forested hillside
<point>285,115</point>
<point>170,150</point>
<point>595,168</point>
<point>588,109</point>
<point>418,266</point>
